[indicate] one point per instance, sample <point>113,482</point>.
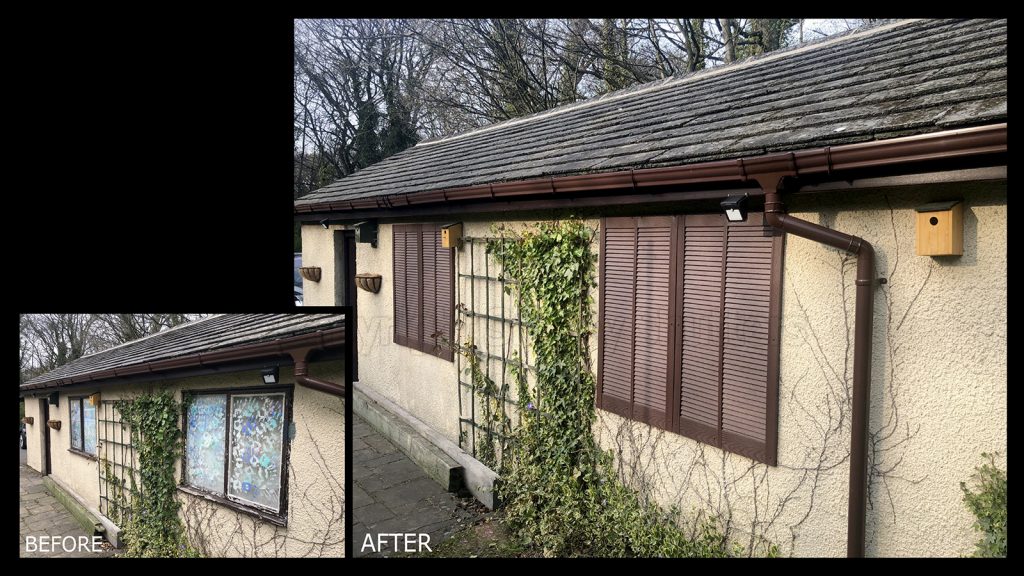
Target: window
<point>689,314</point>
<point>235,448</point>
<point>423,289</point>
<point>83,425</point>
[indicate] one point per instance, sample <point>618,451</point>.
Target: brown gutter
<point>303,378</point>
<point>940,145</point>
<point>775,215</point>
<point>312,341</point>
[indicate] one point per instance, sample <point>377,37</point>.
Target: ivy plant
<point>560,489</point>
<point>153,528</point>
<point>987,501</point>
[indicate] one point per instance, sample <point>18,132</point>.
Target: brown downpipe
<point>775,215</point>
<point>302,374</point>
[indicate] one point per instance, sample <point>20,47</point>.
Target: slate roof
<point>897,79</point>
<point>213,333</point>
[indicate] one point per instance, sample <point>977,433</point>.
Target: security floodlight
<point>735,208</point>
<point>270,375</point>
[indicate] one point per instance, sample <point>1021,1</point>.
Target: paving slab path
<point>42,515</point>
<point>392,495</point>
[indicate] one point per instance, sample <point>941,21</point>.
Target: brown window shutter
<point>407,284</point>
<point>703,244</point>
<point>444,265</point>
<point>437,294</point>
<point>637,309</point>
<point>429,304</point>
<point>689,322</point>
<point>423,289</point>
<point>618,267</point>
<point>748,413</point>
<point>651,335</point>
<point>400,287</point>
<point>414,285</point>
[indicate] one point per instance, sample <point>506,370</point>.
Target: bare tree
<point>51,340</point>
<point>56,339</point>
<point>367,89</point>
<point>115,329</point>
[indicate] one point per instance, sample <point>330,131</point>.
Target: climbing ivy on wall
<point>986,499</point>
<point>560,491</point>
<point>153,528</point>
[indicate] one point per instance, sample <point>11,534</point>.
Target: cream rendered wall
<point>423,384</point>
<point>318,250</point>
<point>34,435</point>
<point>316,473</point>
<point>938,393</point>
<point>77,472</point>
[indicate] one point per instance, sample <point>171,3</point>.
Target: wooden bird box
<point>940,229</point>
<point>451,235</point>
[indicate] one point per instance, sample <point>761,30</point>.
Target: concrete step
<point>438,456</point>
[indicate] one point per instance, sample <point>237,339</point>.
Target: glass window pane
<point>257,439</point>
<point>76,423</point>
<point>204,450</point>
<point>89,423</point>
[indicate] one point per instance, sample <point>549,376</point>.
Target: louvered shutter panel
<point>445,290</point>
<point>746,418</point>
<point>408,280</point>
<point>703,243</point>
<point>651,335</point>
<point>429,317</point>
<point>400,286</point>
<point>637,308</point>
<point>437,293</point>
<point>618,275</point>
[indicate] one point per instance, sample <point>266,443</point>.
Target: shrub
<point>561,492</point>
<point>988,504</point>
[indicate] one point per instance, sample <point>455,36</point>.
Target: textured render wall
<point>77,472</point>
<point>318,250</point>
<point>316,473</point>
<point>423,384</point>
<point>938,395</point>
<point>316,477</point>
<point>34,435</point>
<point>938,392</point>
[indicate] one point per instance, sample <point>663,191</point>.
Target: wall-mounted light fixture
<point>270,375</point>
<point>55,399</point>
<point>324,223</point>
<point>735,208</point>
<point>366,233</point>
